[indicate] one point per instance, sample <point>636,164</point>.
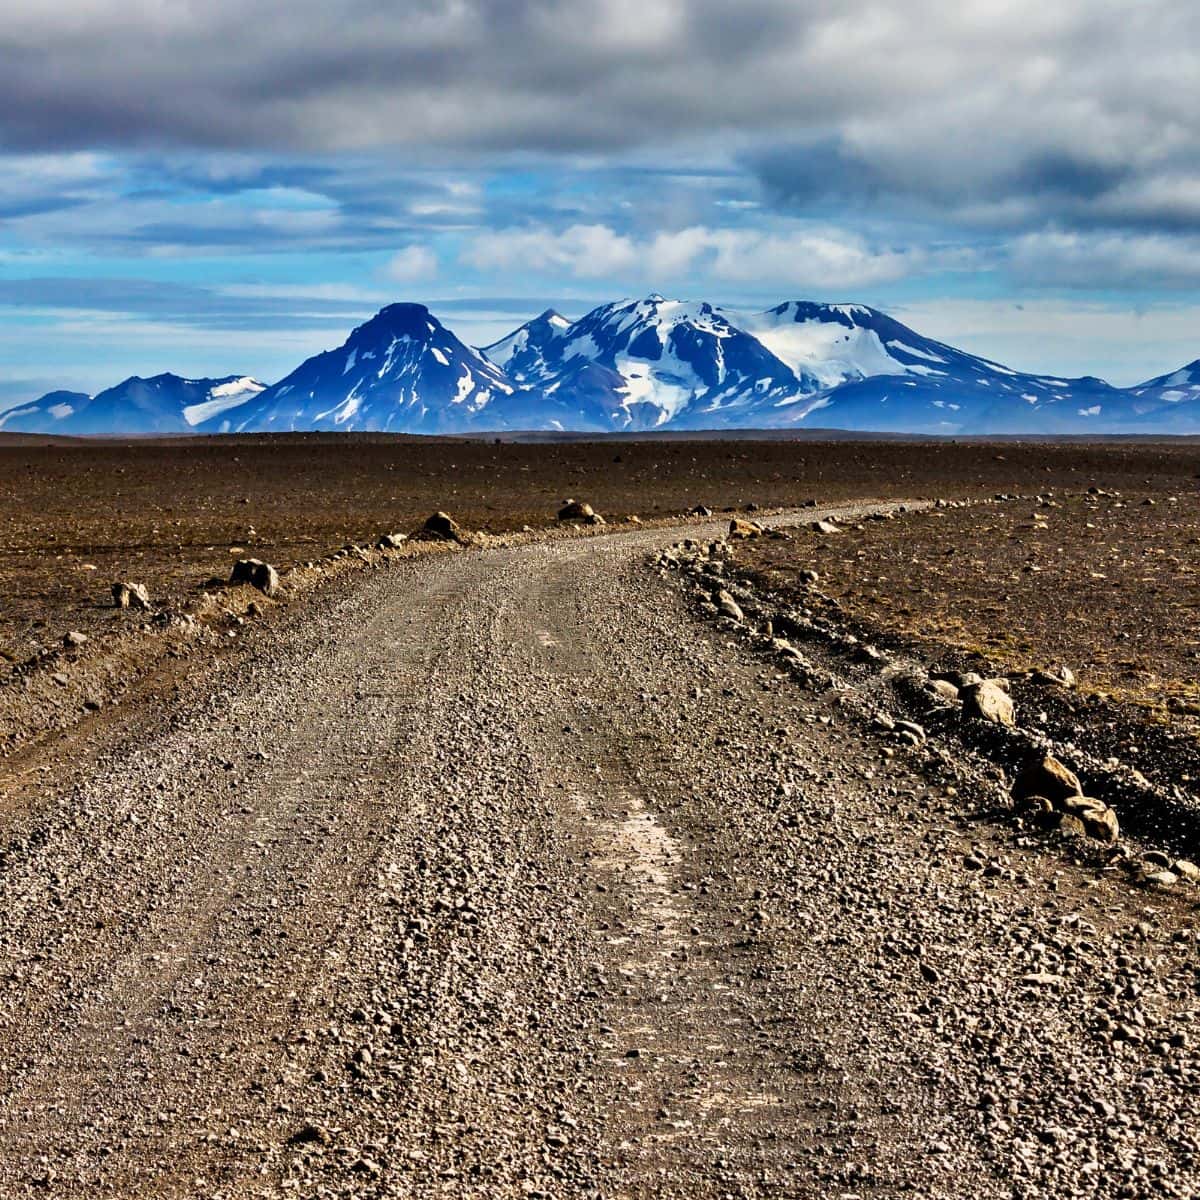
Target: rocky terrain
<point>1083,600</point>
<point>545,869</point>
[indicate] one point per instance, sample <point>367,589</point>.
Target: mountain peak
<point>523,351</point>
<point>635,364</point>
<point>402,370</point>
<point>403,319</point>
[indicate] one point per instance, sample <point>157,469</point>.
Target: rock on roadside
<point>257,574</point>
<point>1044,775</point>
<point>989,701</point>
<point>131,595</point>
<point>442,527</point>
<point>728,606</point>
<point>579,510</point>
<point>740,530</point>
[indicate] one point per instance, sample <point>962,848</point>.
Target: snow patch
<point>222,398</point>
<point>827,351</point>
<point>17,412</point>
<point>904,349</point>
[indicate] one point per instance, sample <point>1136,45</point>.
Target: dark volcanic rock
<point>257,574</point>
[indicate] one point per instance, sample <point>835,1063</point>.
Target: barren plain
<point>548,865</point>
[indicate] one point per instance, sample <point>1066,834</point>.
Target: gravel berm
<point>499,874</point>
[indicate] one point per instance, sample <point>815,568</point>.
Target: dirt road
<point>499,875</point>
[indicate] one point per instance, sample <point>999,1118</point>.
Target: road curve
<point>497,875</point>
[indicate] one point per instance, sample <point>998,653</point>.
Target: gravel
<point>499,874</point>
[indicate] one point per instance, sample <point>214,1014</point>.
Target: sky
<point>225,187</point>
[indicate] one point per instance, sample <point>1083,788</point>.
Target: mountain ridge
<point>635,365</point>
<point>158,404</point>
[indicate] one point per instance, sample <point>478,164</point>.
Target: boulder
<point>740,530</point>
<point>1071,826</point>
<point>729,607</point>
<point>824,527</point>
<point>441,527</point>
<point>1160,879</point>
<point>73,639</point>
<point>1101,823</point>
<point>578,510</point>
<point>257,574</point>
<point>989,701</point>
<point>131,595</point>
<point>943,689</point>
<point>964,679</point>
<point>1044,775</point>
<point>1062,677</point>
<point>701,510</point>
<point>392,541</point>
<point>809,577</point>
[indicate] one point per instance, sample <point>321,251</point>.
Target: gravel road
<point>499,874</point>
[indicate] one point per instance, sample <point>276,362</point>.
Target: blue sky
<point>229,188</point>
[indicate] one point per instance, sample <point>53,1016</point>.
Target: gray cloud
<point>579,74</point>
<point>201,307</point>
<point>1009,116</point>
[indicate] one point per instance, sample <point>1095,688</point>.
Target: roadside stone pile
<point>976,715</point>
<point>1052,792</point>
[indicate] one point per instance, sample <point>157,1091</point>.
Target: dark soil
<point>171,514</point>
<point>1106,585</point>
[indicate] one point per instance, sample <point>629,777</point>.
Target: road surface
<point>498,874</point>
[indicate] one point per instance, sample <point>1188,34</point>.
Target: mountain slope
<point>524,354</point>
<point>635,365</point>
<point>647,363</point>
<point>1170,402</point>
<point>163,404</point>
<point>47,414</point>
<point>861,369</point>
<point>401,371</point>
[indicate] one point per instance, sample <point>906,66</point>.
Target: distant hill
<point>636,365</point>
<point>163,404</point>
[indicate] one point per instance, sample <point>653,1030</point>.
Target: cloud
<point>820,258</point>
<point>1065,336</point>
<point>234,307</point>
<point>585,251</point>
<point>1010,115</point>
<point>412,264</point>
<point>1106,260</point>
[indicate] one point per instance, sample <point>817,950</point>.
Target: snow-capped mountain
<point>1171,402</point>
<point>526,351</point>
<point>642,364</point>
<point>636,365</point>
<point>162,404</point>
<point>402,371</point>
<point>861,369</point>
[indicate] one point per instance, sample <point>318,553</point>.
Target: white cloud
<point>412,264</point>
<point>585,251</point>
<point>1099,260</point>
<point>819,258</point>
